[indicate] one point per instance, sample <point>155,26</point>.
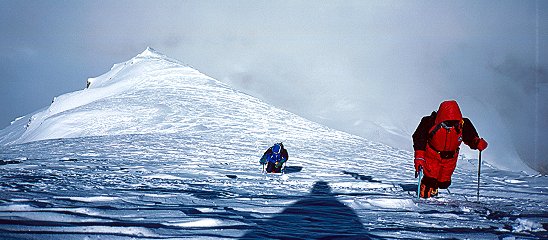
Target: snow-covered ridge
<point>128,70</point>
<point>150,93</point>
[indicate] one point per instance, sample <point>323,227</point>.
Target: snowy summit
<point>155,149</point>
<point>150,93</point>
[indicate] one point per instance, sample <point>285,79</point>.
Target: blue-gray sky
<point>352,65</point>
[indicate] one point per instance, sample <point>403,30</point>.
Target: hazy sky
<point>358,66</point>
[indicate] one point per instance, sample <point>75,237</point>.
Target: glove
<point>263,160</point>
<point>279,164</point>
<point>481,144</point>
<point>419,161</point>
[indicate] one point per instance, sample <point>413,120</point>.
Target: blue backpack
<point>276,155</point>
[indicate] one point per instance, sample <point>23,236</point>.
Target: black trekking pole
<point>479,172</point>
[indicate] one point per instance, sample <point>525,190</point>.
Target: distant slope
<point>151,93</point>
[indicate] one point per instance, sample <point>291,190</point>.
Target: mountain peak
<point>148,94</point>
<point>150,53</point>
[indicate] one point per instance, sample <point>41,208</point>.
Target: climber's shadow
<point>318,216</point>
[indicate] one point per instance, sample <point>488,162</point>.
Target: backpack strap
<point>458,128</point>
<point>433,132</point>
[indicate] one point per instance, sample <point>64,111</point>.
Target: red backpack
<point>445,136</point>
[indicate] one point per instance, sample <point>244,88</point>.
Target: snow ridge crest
<point>73,114</point>
<point>149,53</point>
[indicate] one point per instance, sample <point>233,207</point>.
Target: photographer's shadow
<point>318,216</point>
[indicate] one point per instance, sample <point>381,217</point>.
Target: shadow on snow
<point>361,177</point>
<point>293,169</point>
<point>318,216</point>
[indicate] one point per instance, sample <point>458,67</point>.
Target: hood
<point>449,110</point>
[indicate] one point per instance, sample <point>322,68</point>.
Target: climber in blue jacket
<point>274,157</point>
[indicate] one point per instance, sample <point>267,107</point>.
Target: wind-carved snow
<point>155,149</point>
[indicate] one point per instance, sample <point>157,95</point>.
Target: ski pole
<point>479,172</point>
<point>419,184</point>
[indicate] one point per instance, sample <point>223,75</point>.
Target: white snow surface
<point>147,94</point>
<point>154,149</point>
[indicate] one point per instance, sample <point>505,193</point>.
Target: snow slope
<point>147,94</point>
<point>154,149</point>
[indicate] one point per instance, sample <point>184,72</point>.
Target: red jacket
<point>430,131</point>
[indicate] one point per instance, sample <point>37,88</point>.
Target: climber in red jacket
<point>436,143</point>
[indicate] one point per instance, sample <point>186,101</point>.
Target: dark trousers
<point>434,183</point>
<point>271,168</point>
